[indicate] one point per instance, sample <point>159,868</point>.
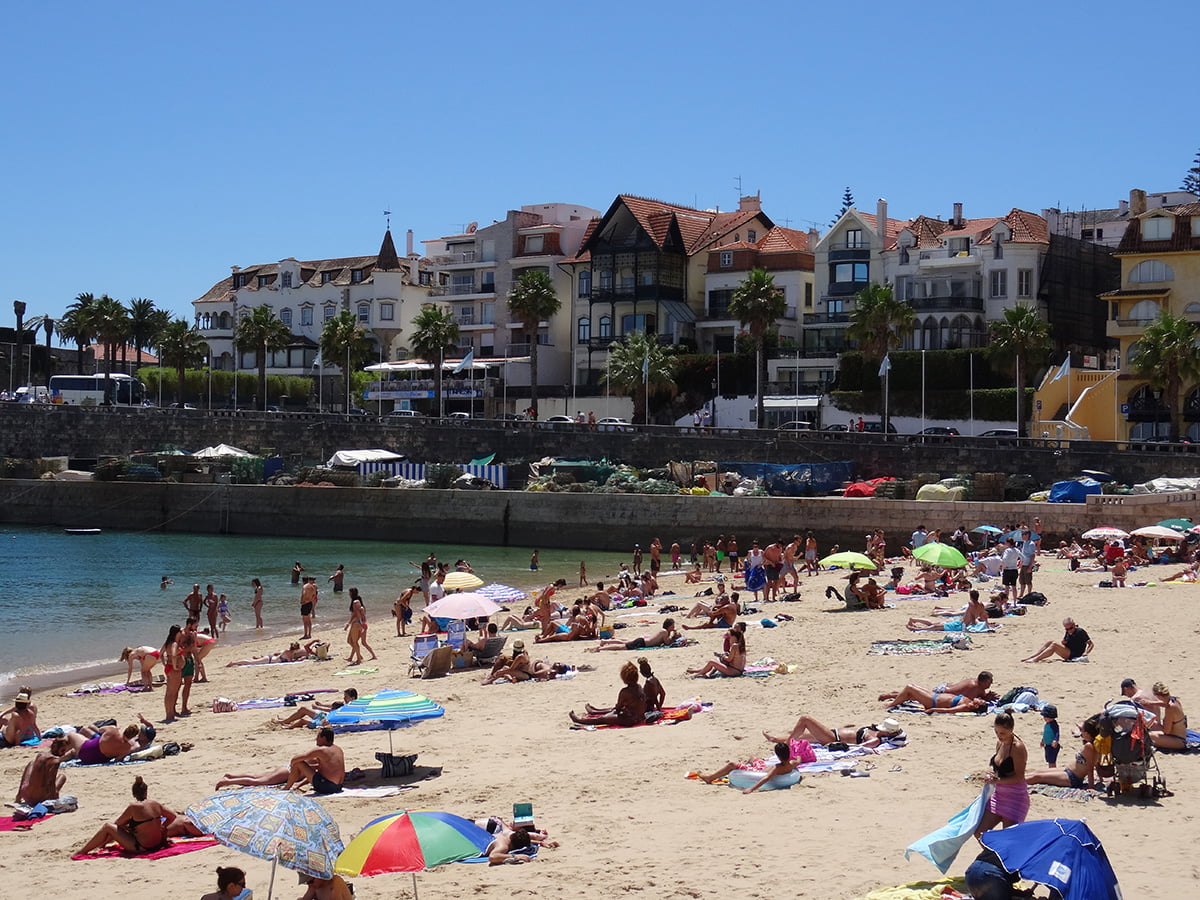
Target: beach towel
<point>920,890</point>
<point>670,716</point>
<point>176,847</point>
<point>367,793</point>
<point>921,647</point>
<point>8,823</point>
<point>941,847</point>
<point>105,687</point>
<point>1055,792</point>
<point>531,851</point>
<point>1192,746</point>
<point>358,670</point>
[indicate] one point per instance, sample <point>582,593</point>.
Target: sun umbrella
<point>938,554</point>
<point>1104,533</point>
<point>1062,854</point>
<point>1180,525</point>
<point>1017,534</point>
<point>1096,475</point>
<point>286,828</point>
<point>849,559</point>
<point>469,605</point>
<point>393,707</point>
<point>1157,531</point>
<point>461,581</point>
<point>986,529</point>
<point>502,593</point>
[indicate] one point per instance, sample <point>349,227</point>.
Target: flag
<point>317,362</point>
<point>1062,370</point>
<point>646,366</point>
<point>886,365</point>
<point>465,362</point>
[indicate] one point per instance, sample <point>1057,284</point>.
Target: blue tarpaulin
<point>798,480</point>
<point>1075,491</point>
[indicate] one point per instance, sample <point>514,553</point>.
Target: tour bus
<point>96,390</point>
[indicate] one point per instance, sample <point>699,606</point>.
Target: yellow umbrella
<point>461,581</point>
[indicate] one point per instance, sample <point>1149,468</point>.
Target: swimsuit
<point>90,753</point>
<point>189,667</point>
<point>306,609</point>
<point>636,644</point>
<point>323,785</point>
<point>958,698</point>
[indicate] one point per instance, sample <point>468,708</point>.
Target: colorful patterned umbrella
<point>939,554</point>
<point>410,841</point>
<point>266,822</point>
<point>469,605</point>
<point>461,581</point>
<point>502,593</point>
<point>399,707</point>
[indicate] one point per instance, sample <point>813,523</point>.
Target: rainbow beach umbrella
<point>411,841</point>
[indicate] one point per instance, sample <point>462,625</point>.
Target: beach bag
<point>802,751</point>
<point>1034,598</point>
<point>224,704</point>
<point>396,766</point>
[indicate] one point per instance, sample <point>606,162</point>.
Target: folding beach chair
<point>456,633</point>
<point>423,645</point>
<point>437,663</point>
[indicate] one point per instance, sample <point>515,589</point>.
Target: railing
<point>451,259</point>
<point>851,245</point>
<point>827,352</point>
<point>972,304</point>
<point>834,318</point>
<point>465,318</point>
<point>1133,323</point>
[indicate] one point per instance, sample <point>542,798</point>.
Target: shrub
<point>441,477</point>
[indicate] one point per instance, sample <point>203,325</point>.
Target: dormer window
<point>1157,229</point>
<point>356,276</point>
<point>285,279</point>
<point>264,280</point>
<point>534,243</point>
<point>726,259</point>
<point>239,280</point>
<point>751,235</point>
<point>327,277</point>
<point>854,239</point>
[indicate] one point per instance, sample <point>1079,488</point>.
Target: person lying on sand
<point>143,827</point>
<point>291,654</point>
<point>324,766</point>
<point>314,717</point>
<point>661,638</point>
<point>630,708</point>
<point>974,610</point>
<point>945,697</point>
<point>785,765</point>
<point>96,746</point>
<point>809,729</point>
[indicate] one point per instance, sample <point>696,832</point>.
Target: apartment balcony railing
<point>465,319</point>
<point>827,318</point>
<point>851,245</point>
<point>958,304</point>
<point>450,259</point>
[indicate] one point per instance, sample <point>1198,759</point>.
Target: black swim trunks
<point>323,785</point>
<point>638,643</point>
<point>306,609</point>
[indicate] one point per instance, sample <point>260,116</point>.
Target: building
<point>643,266</point>
<point>383,291</point>
<point>474,271</point>
<point>1107,226</point>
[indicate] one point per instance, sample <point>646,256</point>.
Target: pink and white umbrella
<point>466,605</point>
<point>1105,533</point>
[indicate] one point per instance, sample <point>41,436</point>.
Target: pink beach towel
<point>176,847</point>
<point>8,823</point>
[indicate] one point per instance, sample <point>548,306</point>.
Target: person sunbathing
<point>695,576</point>
<point>784,766</point>
<point>974,610</point>
<point>809,729</point>
<point>515,668</point>
<point>143,827</point>
<point>1170,732</point>
<point>916,624</point>
<point>722,615</point>
<point>1188,573</point>
<point>95,746</point>
<point>653,690</point>
<point>957,697</point>
<point>19,722</point>
<point>661,638</point>
<point>324,766</point>
<point>314,717</point>
<point>579,627</point>
<point>1082,770</point>
<point>731,663</point>
<point>291,654</point>
<point>630,708</point>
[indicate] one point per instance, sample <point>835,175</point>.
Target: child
<point>1050,735</point>
<point>223,612</point>
<point>1118,572</point>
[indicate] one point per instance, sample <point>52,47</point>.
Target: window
<point>387,312</point>
<point>997,248</point>
<point>959,245</point>
<point>718,303</point>
<point>1151,270</point>
<point>328,312</point>
<point>1192,309</point>
<point>1024,282</point>
<point>306,315</point>
<point>1144,311</point>
<point>646,277</point>
<point>585,284</point>
<point>835,306</point>
<point>487,313</point>
<point>285,279</point>
<point>903,287</point>
<point>1195,226</point>
<point>1157,228</point>
<point>631,323</point>
<point>543,339</point>
<point>364,313</point>
<point>627,282</point>
<point>1087,234</point>
<point>606,326</point>
<point>606,279</point>
<point>850,272</point>
<point>465,315</point>
<point>426,278</point>
<point>225,321</point>
<point>534,243</point>
<point>285,316</point>
<point>808,295</point>
<point>904,256</point>
<point>264,280</point>
<point>854,239</point>
<point>466,343</point>
<point>239,280</point>
<point>487,282</point>
<point>583,330</point>
<point>726,259</point>
<point>1000,283</point>
<point>1132,353</point>
<point>356,276</point>
<point>751,235</point>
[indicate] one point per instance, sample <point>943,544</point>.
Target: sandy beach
<point>617,800</point>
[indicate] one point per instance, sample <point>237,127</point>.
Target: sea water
<point>71,602</point>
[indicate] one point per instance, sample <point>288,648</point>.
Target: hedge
<point>990,405</point>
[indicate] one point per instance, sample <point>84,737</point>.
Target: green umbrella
<point>1180,525</point>
<point>938,554</point>
<point>848,559</point>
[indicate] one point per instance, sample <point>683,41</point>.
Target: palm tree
<point>144,323</point>
<point>180,346</point>
<point>78,324</point>
<point>1167,357</point>
<point>878,323</point>
<point>112,329</point>
<point>345,343</point>
<point>640,366</point>
<point>532,301</point>
<point>758,304</point>
<point>435,332</point>
<point>266,334</point>
<point>1023,338</point>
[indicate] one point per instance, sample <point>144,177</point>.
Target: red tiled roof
<point>130,354</point>
<point>736,245</point>
<point>698,228</point>
<point>926,231</point>
<point>892,228</point>
<point>1027,227</point>
<point>584,255</point>
<point>975,228</point>
<point>783,240</point>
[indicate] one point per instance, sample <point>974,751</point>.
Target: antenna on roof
<point>738,179</point>
<point>388,214</point>
<point>787,223</point>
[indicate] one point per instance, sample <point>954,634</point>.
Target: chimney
<point>1123,206</point>
<point>813,237</point>
<point>409,243</point>
<point>752,203</point>
<point>1137,201</point>
<point>881,216</point>
<point>235,269</point>
<point>958,218</point>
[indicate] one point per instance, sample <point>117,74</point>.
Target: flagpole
<point>971,392</point>
<point>922,390</point>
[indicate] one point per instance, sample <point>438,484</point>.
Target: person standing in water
<point>257,603</point>
<point>296,570</point>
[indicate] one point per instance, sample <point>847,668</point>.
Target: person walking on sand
<point>357,629</point>
<point>257,603</point>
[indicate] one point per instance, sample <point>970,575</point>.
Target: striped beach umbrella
<point>461,581</point>
<point>411,841</point>
<point>392,707</point>
<point>502,593</point>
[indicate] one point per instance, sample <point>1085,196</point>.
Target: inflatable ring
<point>745,778</point>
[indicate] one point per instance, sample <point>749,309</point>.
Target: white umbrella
<point>466,605</point>
<point>1105,533</point>
<point>219,451</point>
<point>1157,531</point>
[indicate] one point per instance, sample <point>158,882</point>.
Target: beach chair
<point>491,649</point>
<point>423,645</point>
<point>437,663</point>
<point>456,633</point>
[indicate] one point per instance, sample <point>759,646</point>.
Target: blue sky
<point>150,146</point>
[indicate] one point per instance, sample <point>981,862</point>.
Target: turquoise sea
<point>71,602</point>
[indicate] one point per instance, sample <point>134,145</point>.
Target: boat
<point>82,530</point>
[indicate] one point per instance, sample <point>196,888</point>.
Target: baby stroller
<point>1126,751</point>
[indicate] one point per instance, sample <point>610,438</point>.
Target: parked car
<point>403,414</point>
<point>796,425</point>
<point>835,427</point>
<point>613,420</point>
<point>999,432</point>
<point>560,420</point>
<point>458,415</point>
<point>877,428</point>
<point>934,434</point>
<point>181,406</point>
<point>511,417</point>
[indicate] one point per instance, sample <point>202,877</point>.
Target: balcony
<point>465,319</point>
<point>462,258</point>
<point>463,290</point>
<point>639,292</point>
<point>939,259</point>
<point>846,288</point>
<point>851,245</point>
<point>947,304</point>
<point>827,318</point>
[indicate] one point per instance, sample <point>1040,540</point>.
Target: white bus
<point>96,390</point>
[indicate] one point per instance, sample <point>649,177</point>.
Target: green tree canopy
<point>531,301</point>
<point>879,321</point>
<point>1191,181</point>
<point>180,346</point>
<point>758,304</point>
<point>639,366</point>
<point>344,343</point>
<point>78,325</point>
<point>145,321</point>
<point>1168,357</point>
<point>266,334</point>
<point>1022,339</point>
<point>435,332</point>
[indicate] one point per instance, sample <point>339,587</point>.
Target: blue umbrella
<point>394,708</point>
<point>1016,535</point>
<point>1060,853</point>
<point>986,529</point>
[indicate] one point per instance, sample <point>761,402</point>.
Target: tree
<point>180,346</point>
<point>757,304</point>
<point>112,329</point>
<point>1022,337</point>
<point>1167,357</point>
<point>345,343</point>
<point>145,321</point>
<point>266,334</point>
<point>878,323</point>
<point>847,202</point>
<point>1191,181</point>
<point>533,300</point>
<point>435,332</point>
<point>78,325</point>
<point>640,366</point>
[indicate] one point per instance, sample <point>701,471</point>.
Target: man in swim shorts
<point>41,779</point>
<point>661,638</point>
<point>324,766</point>
<point>1074,644</point>
<point>977,688</point>
<point>308,602</point>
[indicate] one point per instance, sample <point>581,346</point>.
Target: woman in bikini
<point>146,658</point>
<point>143,827</point>
<point>785,766</point>
<point>1009,803</point>
<point>1173,735</point>
<point>1082,770</point>
<point>291,654</point>
<point>518,668</point>
<point>809,729</point>
<point>257,603</point>
<point>171,669</point>
<point>731,663</point>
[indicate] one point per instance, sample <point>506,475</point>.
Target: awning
<point>791,402</point>
<point>678,310</point>
<point>351,458</point>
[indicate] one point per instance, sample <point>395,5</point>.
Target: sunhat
<point>518,646</point>
<point>888,726</point>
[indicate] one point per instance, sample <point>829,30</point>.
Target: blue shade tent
<point>1062,854</point>
<point>1075,491</point>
